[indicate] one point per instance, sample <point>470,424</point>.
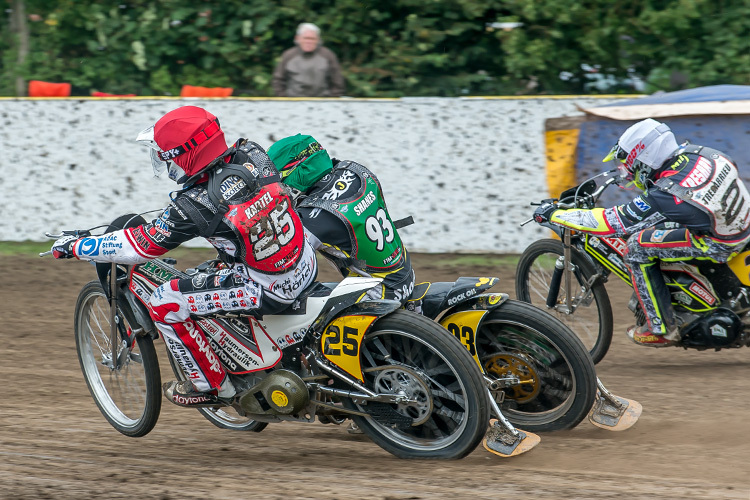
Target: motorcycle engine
<point>717,329</point>
<point>282,392</point>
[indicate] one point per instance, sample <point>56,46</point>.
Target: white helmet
<point>642,150</point>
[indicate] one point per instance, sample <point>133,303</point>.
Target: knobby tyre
<point>128,395</point>
<point>556,377</point>
<point>593,323</point>
<point>223,417</point>
<point>408,352</point>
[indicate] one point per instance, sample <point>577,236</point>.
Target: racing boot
<point>183,393</point>
<point>642,335</point>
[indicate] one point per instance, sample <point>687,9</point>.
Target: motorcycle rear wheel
<point>128,396</point>
<point>593,324</point>
<point>557,376</point>
<point>409,351</point>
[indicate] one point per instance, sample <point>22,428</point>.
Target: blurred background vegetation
<point>387,49</point>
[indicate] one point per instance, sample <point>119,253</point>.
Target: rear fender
<point>465,319</point>
<point>442,296</point>
<point>341,340</point>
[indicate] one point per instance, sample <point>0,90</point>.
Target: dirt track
<point>692,441</point>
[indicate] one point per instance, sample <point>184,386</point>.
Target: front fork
<point>563,269</point>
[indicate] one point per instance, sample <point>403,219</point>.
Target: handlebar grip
<point>48,252</point>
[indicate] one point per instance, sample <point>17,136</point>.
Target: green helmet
<point>300,160</point>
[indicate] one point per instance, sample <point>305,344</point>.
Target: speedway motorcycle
<point>567,277</point>
<point>537,370</point>
<point>401,377</point>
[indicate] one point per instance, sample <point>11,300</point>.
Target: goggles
<point>616,153</point>
<point>300,157</point>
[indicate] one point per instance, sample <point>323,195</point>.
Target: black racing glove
<point>63,247</point>
<point>544,212</point>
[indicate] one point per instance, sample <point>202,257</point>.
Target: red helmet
<point>184,141</point>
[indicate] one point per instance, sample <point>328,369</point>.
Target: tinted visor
<point>616,153</point>
<point>146,138</point>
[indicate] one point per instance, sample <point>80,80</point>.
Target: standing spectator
<point>308,69</point>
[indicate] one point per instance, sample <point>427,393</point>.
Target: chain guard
<point>383,413</point>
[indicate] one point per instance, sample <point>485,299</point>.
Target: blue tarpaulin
<point>725,131</point>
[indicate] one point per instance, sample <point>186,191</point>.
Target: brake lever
<point>78,233</point>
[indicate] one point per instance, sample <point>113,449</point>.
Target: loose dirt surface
<point>692,441</point>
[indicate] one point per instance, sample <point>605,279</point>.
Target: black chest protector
<point>247,195</point>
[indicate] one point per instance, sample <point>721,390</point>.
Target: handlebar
<point>581,201</point>
<point>78,233</point>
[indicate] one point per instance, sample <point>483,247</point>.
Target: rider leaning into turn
<point>695,186</point>
<point>342,204</point>
<point>233,197</point>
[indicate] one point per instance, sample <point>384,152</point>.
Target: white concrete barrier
<point>465,168</point>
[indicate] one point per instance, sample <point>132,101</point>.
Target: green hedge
<point>387,49</point>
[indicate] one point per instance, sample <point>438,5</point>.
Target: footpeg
<point>613,413</point>
<point>503,442</point>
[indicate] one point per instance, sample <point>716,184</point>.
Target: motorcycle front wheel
<point>126,389</point>
<point>591,320</point>
<point>448,412</point>
<point>547,379</point>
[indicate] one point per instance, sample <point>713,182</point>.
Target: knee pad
<point>168,305</point>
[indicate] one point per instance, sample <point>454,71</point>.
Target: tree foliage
<point>395,48</point>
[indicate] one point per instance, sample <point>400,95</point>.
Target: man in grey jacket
<point>308,69</point>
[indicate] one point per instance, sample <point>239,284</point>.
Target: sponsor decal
<point>641,204</point>
<point>682,298</point>
<point>616,260</point>
<point>300,276</point>
<point>718,331</point>
<point>593,241</point>
<point>682,159</point>
<point>717,183</point>
<point>190,400</point>
<point>633,214</point>
<point>89,247</point>
<point>462,296</point>
<point>394,257</point>
<point>617,244</point>
<point>404,292</point>
<point>368,200</point>
<point>153,270</point>
<point>231,186</point>
<point>183,358</point>
<point>494,299</point>
<point>658,236</point>
<point>345,179</point>
<point>702,293</point>
<point>634,154</point>
<point>199,281</point>
<point>143,241</point>
<point>251,168</point>
<point>203,346</point>
<point>700,173</point>
<point>258,205</point>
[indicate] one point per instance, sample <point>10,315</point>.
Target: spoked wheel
<point>127,390</point>
<point>545,373</point>
<point>224,417</point>
<point>445,412</point>
<point>591,319</point>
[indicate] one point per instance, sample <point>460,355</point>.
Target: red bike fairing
<point>271,233</point>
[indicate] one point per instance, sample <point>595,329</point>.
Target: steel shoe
<point>184,394</point>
